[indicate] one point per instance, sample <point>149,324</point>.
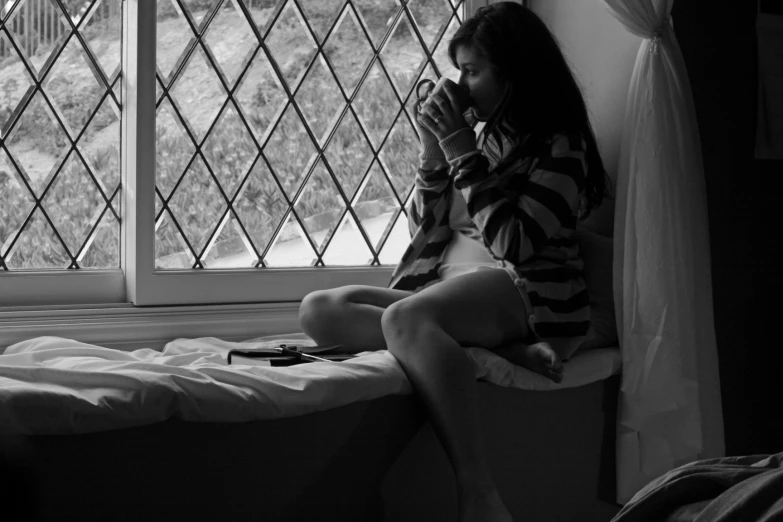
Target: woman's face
<point>481,79</point>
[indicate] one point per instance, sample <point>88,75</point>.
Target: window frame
<point>136,281</point>
<point>147,286</point>
<point>38,287</point>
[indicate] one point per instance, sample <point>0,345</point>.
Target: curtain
<point>669,405</point>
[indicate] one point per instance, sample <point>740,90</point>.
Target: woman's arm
<point>516,228</point>
<point>432,179</point>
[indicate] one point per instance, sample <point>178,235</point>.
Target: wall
<point>602,54</point>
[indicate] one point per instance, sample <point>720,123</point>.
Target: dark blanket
<point>728,489</point>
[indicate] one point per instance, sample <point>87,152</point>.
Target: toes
<point>542,359</point>
<point>556,368</point>
<point>553,359</point>
<point>549,355</point>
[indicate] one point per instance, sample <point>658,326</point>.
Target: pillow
<point>597,252</point>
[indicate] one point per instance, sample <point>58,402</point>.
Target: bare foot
<point>536,357</point>
<point>483,507</point>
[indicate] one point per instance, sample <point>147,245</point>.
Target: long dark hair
<point>542,96</point>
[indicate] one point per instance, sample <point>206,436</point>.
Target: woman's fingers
<point>428,122</point>
<point>425,119</point>
<point>449,107</point>
<point>431,112</point>
<point>443,104</point>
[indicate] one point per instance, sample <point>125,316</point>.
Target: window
<point>60,191</point>
<point>266,148</point>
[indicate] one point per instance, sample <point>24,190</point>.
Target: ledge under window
<point>126,327</point>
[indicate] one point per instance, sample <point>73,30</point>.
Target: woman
<point>491,262</point>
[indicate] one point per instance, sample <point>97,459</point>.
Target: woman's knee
<point>322,309</point>
<point>401,320</point>
<point>316,311</point>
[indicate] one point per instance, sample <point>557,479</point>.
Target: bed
<point>91,433</point>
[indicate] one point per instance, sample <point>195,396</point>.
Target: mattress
<point>57,386</point>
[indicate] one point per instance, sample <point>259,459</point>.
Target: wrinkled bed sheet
<point>727,489</point>
<point>52,385</point>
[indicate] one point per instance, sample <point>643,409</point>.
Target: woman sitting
<point>491,262</point>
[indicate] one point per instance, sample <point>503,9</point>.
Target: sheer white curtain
<point>670,408</point>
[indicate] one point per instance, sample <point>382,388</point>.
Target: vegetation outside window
<point>254,150</point>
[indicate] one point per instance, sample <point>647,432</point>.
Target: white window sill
<point>126,327</point>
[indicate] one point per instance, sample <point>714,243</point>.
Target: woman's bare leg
<point>348,315</point>
<point>351,316</point>
<point>427,332</point>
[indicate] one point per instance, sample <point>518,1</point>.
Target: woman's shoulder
<point>552,145</point>
<point>541,150</point>
<point>561,154</point>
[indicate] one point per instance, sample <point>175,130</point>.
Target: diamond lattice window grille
<point>431,19</point>
<point>261,205</point>
<point>60,114</point>
<point>348,66</point>
<point>230,42</point>
<point>263,107</point>
<point>319,151</point>
<point>376,198</point>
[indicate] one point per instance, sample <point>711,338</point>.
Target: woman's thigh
<point>336,299</point>
<point>348,315</point>
<point>483,308</point>
<point>370,295</point>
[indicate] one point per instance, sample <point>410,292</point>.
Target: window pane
<point>60,141</point>
<point>271,152</point>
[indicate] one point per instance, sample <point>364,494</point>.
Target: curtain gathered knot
<point>655,37</point>
<point>654,40</point>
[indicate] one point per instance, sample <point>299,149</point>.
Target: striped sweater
<point>526,212</point>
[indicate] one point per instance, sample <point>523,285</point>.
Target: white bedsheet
<point>52,385</point>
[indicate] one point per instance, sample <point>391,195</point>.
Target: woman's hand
<point>440,115</point>
<point>425,135</point>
